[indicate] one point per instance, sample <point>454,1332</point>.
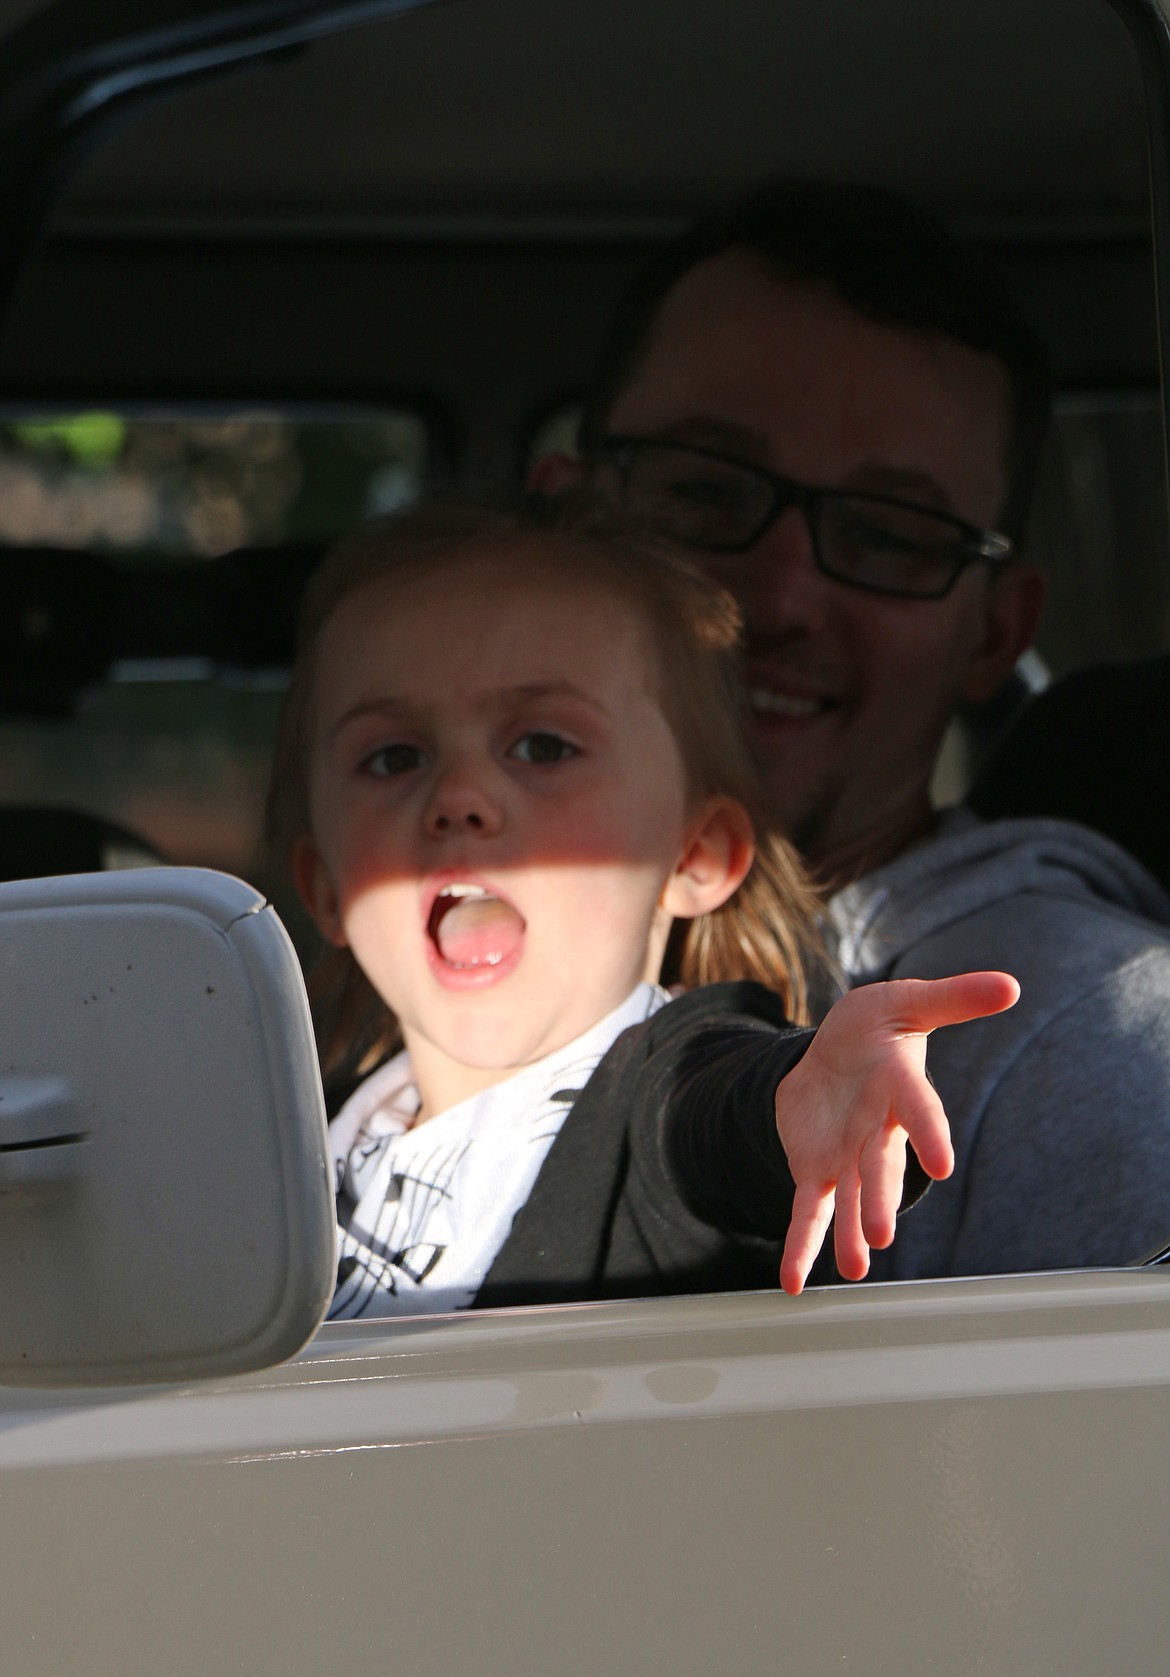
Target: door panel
<point>951,1477</point>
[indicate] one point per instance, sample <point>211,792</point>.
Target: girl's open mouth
<point>473,934</point>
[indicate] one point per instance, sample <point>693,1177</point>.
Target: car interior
<point>337,254</point>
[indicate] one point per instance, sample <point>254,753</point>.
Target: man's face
<point>851,691</point>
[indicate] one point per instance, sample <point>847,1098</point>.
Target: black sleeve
<point>718,1135</point>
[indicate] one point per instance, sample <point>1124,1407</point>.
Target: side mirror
<point>166,1209</point>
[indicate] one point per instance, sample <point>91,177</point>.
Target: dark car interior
<point>267,270</point>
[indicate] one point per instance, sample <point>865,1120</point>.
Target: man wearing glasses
<point>833,404</point>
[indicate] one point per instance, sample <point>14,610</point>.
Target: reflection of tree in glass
<point>168,485</point>
<point>217,484</point>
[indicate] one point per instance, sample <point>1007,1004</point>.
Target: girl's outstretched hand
<point>846,1111</point>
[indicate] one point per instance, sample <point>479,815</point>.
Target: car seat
<point>35,842</point>
<point>1094,748</point>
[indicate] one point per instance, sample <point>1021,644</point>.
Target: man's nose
<point>462,801</point>
<point>777,581</point>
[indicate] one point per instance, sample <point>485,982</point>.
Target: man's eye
<point>540,747</point>
<point>876,539</point>
<point>704,492</point>
<point>893,530</point>
<point>390,760</point>
<point>696,497</point>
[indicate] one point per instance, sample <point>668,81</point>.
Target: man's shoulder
<point>1078,944</point>
<point>1046,900</point>
<point>1072,958</point>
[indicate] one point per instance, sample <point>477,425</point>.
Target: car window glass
<point>176,749</point>
<point>1099,530</point>
<point>162,485</point>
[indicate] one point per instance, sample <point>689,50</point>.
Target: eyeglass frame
<point>988,547</point>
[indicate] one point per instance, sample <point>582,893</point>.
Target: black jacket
<point>668,1175</point>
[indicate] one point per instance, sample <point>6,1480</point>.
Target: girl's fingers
<point>862,1050</point>
<point>925,1004</point>
<point>812,1212</point>
<point>919,1111</point>
<point>850,1247</point>
<point>883,1170</point>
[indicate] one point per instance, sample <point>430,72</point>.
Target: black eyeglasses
<point>708,500</point>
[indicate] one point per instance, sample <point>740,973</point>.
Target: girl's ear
<point>717,854</point>
<point>315,889</point>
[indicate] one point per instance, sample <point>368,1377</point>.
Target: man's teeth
<point>462,890</point>
<point>784,704</point>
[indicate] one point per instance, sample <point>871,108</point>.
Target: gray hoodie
<point>1059,1109</point>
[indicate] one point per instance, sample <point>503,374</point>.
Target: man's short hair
<point>892,262</point>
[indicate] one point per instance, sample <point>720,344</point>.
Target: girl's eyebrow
<point>535,690</point>
<point>523,692</point>
<point>388,706</point>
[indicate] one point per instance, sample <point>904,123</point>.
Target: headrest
<point>37,842</point>
<point>1093,748</point>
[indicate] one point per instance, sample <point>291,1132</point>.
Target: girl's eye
<point>392,759</point>
<point>540,747</point>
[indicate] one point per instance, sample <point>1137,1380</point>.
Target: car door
<point>949,1476</point>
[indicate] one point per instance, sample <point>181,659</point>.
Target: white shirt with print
<point>432,1206</point>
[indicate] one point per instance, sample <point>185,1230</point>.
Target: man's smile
<point>766,702</point>
<point>777,696</point>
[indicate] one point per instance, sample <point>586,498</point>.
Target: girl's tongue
<point>475,931</point>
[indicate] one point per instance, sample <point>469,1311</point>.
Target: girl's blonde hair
<point>766,931</point>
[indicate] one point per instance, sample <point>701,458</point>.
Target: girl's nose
<point>461,802</point>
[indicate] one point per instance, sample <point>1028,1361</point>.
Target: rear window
<point>1099,529</point>
<point>176,748</point>
<point>199,484</point>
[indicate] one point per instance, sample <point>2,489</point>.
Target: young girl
<point>510,762</point>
